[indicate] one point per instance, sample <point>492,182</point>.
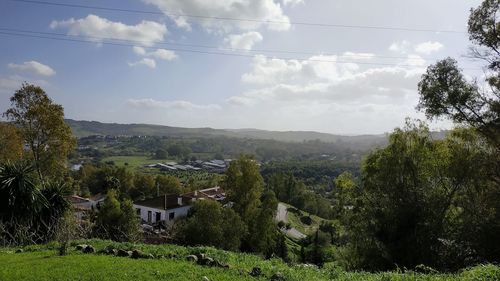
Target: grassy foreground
<point>42,263</point>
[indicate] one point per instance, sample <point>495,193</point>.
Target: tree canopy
<point>41,124</point>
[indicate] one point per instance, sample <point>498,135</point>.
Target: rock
<point>80,247</point>
<point>205,278</point>
<point>200,256</point>
<point>88,250</point>
<point>19,251</point>
<point>138,254</point>
<point>220,264</point>
<point>256,272</point>
<point>192,258</point>
<point>277,277</point>
<point>208,261</point>
<point>123,253</point>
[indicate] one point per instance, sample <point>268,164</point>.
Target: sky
<point>336,66</point>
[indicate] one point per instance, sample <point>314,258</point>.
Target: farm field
<point>133,162</point>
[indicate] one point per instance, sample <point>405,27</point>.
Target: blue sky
<point>328,79</point>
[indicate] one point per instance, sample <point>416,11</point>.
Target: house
<point>170,207</point>
<point>82,205</point>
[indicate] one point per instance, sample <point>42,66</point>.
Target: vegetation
<point>225,229</point>
<point>42,127</point>
<point>41,263</point>
<point>30,210</point>
<point>117,220</point>
<point>11,148</point>
<point>421,203</point>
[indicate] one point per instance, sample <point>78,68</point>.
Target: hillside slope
<point>86,128</point>
<point>169,263</point>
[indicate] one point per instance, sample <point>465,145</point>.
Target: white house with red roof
<point>170,207</point>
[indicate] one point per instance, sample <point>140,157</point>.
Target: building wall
<point>164,214</point>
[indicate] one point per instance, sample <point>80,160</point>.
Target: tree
<point>42,127</point>
<point>345,192</point>
<point>244,185</point>
<point>179,150</point>
<point>168,184</point>
<point>29,211</point>
<point>210,224</point>
<point>426,201</point>
<point>11,144</point>
<point>444,91</point>
<point>161,154</point>
<point>21,198</point>
<point>145,185</point>
<point>117,220</point>
<point>264,231</point>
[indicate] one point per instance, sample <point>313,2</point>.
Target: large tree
<point>244,185</point>
<point>42,127</point>
<point>11,143</point>
<point>426,201</point>
<point>208,223</point>
<point>117,219</point>
<point>445,92</point>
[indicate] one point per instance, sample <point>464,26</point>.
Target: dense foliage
<point>30,210</point>
<point>42,127</point>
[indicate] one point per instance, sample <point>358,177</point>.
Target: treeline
<point>91,180</point>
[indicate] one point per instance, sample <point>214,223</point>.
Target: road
<point>282,215</point>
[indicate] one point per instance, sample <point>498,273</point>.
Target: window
<point>150,216</point>
<point>171,216</point>
<point>138,211</point>
<point>158,217</point>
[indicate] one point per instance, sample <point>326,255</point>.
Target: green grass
<point>294,220</point>
<point>42,263</point>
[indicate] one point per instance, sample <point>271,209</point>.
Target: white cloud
<point>429,47</point>
<point>292,2</point>
<point>357,56</point>
<point>415,60</point>
<point>424,48</point>
<point>244,40</point>
<point>145,61</point>
<point>400,46</point>
<point>324,79</point>
<point>96,28</point>
<point>139,50</point>
<point>260,10</point>
<point>317,68</point>
<point>178,104</point>
<point>162,54</point>
<point>33,67</point>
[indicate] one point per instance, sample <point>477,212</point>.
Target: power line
<point>203,52</point>
<point>142,43</point>
<point>313,24</point>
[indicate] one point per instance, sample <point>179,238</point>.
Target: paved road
<point>282,215</point>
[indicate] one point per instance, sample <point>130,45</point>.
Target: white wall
<point>178,213</point>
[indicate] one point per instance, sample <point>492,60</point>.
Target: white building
<point>170,207</point>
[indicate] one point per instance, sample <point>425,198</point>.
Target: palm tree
<point>27,208</point>
<point>20,197</point>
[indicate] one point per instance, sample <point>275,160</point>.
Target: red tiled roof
<point>165,202</point>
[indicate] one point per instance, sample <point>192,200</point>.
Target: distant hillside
<point>87,128</point>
